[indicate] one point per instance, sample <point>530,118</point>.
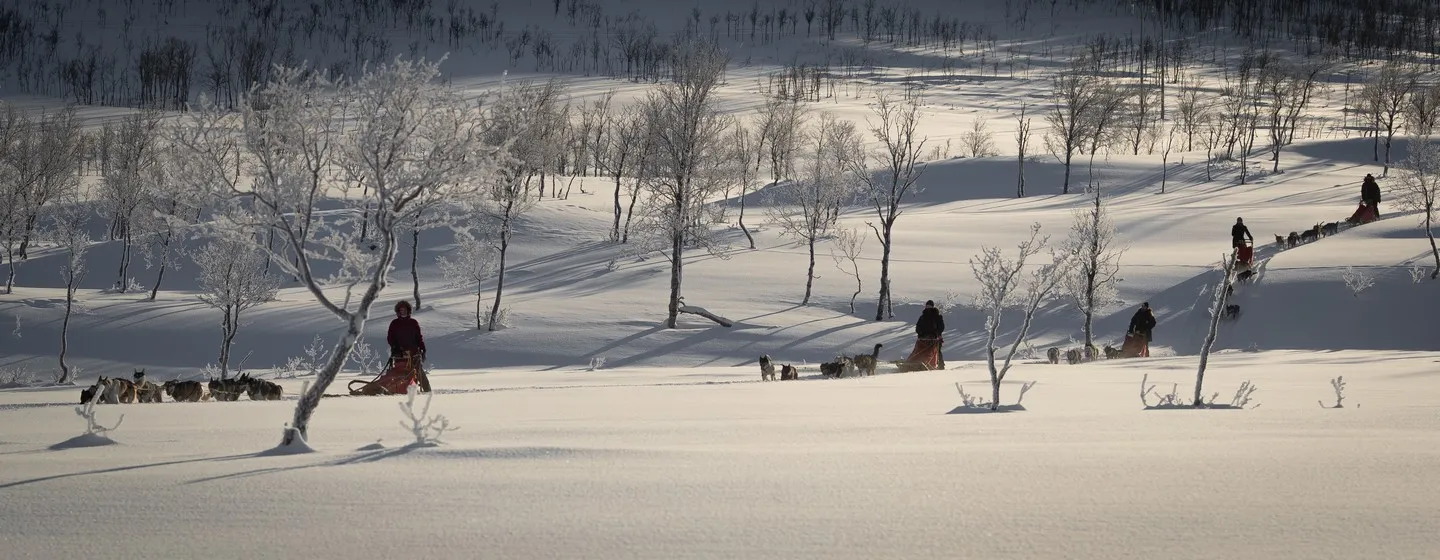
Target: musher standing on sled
<point>1238,234</point>
<point>404,336</point>
<point>1142,324</point>
<point>929,330</point>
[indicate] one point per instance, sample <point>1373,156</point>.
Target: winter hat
<point>929,303</point>
<point>402,304</point>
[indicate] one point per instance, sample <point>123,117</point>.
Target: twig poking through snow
<point>1242,395</point>
<point>597,362</point>
<point>1339,384</point>
<point>427,429</point>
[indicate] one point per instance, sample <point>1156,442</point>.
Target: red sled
<point>404,370</point>
<point>1363,215</point>
<point>1135,346</point>
<point>1245,255</point>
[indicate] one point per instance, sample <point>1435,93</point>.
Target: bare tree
<point>540,111</point>
<point>809,208</point>
<point>233,280</point>
<point>782,124</point>
<point>898,156</point>
<point>742,146</point>
<point>1073,98</point>
<point>1004,284</point>
<point>1194,111</point>
<point>69,231</point>
<point>521,110</point>
<point>978,141</point>
<point>42,164</point>
<point>620,155</point>
<point>1090,280</point>
<point>169,210</point>
<point>1419,187</point>
<point>134,148</point>
<point>1385,99</point>
<point>1022,143</point>
<point>374,151</point>
<point>851,244</point>
<point>1104,116</point>
<point>684,169</point>
<point>1217,307</point>
<point>1288,89</point>
<point>1165,155</point>
<point>474,263</point>
<point>1138,117</point>
<point>1422,110</point>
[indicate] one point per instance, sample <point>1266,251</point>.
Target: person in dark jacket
<point>1370,194</point>
<point>931,326</point>
<point>1143,324</point>
<point>404,336</point>
<point>1239,233</point>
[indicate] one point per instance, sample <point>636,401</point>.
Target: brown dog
<point>788,372</point>
<point>186,391</point>
<point>117,390</point>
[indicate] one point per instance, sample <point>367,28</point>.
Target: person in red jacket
<point>404,336</point>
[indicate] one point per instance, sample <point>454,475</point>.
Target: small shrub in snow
<point>18,331</point>
<point>1338,384</point>
<point>427,429</point>
<point>131,286</point>
<point>597,362</point>
<point>1417,275</point>
<point>366,358</point>
<point>1357,280</point>
<point>1242,395</point>
<point>976,403</point>
<point>502,320</point>
<point>17,376</point>
<point>1171,400</point>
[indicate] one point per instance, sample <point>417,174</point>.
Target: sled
<point>1363,215</point>
<point>1134,347</point>
<point>401,372</point>
<point>925,357</point>
<point>1245,255</point>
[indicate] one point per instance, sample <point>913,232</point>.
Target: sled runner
<point>402,371</point>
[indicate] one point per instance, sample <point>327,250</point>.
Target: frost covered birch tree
<point>132,154</point>
<point>684,167</point>
<point>1419,186</point>
<point>474,262</point>
<point>68,231</point>
<point>40,165</point>
<point>1090,280</point>
<point>1217,307</point>
<point>233,280</point>
<point>1385,98</point>
<point>1005,284</point>
<point>314,159</point>
<point>808,208</point>
<point>170,209</point>
<point>898,160</point>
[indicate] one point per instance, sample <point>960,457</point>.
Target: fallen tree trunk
<point>701,311</point>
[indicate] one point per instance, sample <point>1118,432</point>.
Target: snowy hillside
<point>587,426</point>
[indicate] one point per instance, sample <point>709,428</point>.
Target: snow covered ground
<point>674,449</point>
<point>711,463</point>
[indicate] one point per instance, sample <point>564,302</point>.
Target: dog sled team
<point>407,353</point>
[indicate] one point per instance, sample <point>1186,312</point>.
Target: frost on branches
<point>1005,284</point>
<point>1419,186</point>
<point>1090,282</point>
<point>808,208</point>
<point>233,280</point>
<point>336,170</point>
